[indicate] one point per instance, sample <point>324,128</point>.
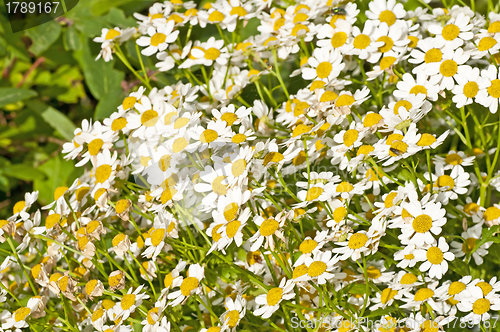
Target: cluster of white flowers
<point>311,170</point>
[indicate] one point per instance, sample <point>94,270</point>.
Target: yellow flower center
<point>344,187</point>
<point>150,319</point>
<point>239,138</point>
<point>274,157</point>
<point>324,69</point>
<point>456,287</point>
<point>418,89</point>
<point>339,214</point>
<point>232,318</point>
<point>208,136</point>
<point>448,68</point>
<point>111,34</point>
<point>494,88</point>
<point>128,300</point>
<point>232,228</point>
<point>485,287</point>
<point>491,213</point>
<point>218,187</point>
<point>494,27</point>
<point>216,16</point>
<point>350,137</point>
<point>470,90</point>
<point>445,181</point>
<point>339,39</point>
<point>238,167</point>
<point>118,239</point>
<point>19,206</point>
<point>408,279</point>
<point>102,173</point>
<point>157,236</point>
<point>212,53</point>
<point>307,246</point>
<point>361,41</point>
<point>274,296</point>
<point>387,295</point>
<point>486,43</point>
<point>434,255</point>
<point>90,286</point>
<point>158,38</point>
<point>433,55</point>
<point>316,269</point>
<point>357,241</point>
<point>426,140</point>
<point>423,294</point>
<point>481,306</point>
<point>450,32</point>
<point>269,227</point>
<point>188,285</point>
<point>388,44</point>
<point>122,206</point>
<point>388,17</point>
<point>386,62</point>
<point>373,272</point>
<point>313,193</point>
<point>422,223</point>
<point>344,100</point>
<point>21,314</point>
<point>149,118</point>
<point>240,11</point>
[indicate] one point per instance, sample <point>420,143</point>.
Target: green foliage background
<point>49,83</point>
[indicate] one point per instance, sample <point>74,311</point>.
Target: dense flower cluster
<point>326,167</point>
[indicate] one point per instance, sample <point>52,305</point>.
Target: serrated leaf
<point>23,172</point>
<point>13,95</point>
<point>43,36</point>
<point>59,122</point>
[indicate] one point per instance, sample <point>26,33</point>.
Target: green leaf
<point>72,40</point>
<point>4,184</point>
<point>59,122</point>
<point>108,105</point>
<point>100,76</point>
<point>117,18</point>
<point>43,36</point>
<point>58,173</point>
<point>23,172</point>
<point>488,235</point>
<point>100,7</point>
<point>13,95</point>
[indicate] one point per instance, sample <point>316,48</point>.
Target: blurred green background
<point>50,82</point>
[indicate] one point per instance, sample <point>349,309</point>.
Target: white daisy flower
<point>489,90</point>
<point>435,258</point>
<point>456,31</point>
<point>420,221</point>
<point>471,236</point>
<point>159,38</point>
<point>270,302</point>
<point>129,303</point>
